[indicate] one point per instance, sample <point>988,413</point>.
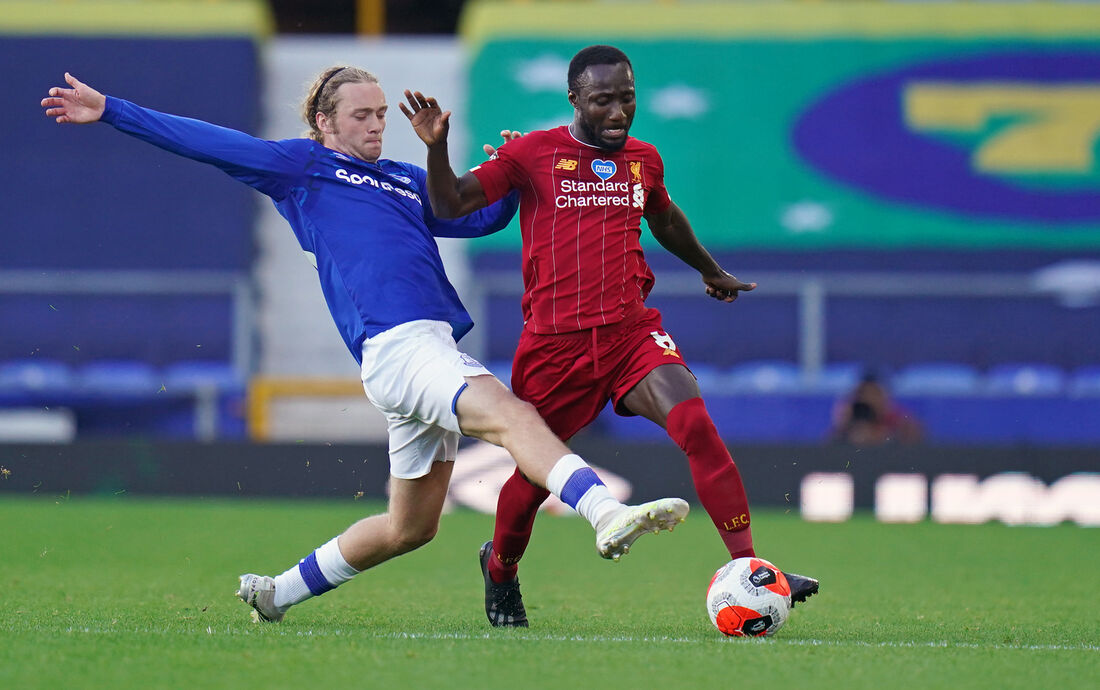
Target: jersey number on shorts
<point>664,340</point>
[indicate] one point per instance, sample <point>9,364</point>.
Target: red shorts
<point>569,377</point>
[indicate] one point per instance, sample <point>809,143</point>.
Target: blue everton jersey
<point>367,227</point>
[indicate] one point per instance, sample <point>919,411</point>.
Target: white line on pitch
<point>527,637</point>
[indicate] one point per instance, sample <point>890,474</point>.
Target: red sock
<point>714,473</point>
<point>517,506</point>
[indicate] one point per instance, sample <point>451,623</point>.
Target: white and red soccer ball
<point>748,597</point>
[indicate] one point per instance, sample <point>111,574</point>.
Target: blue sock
<point>317,573</point>
<point>578,486</point>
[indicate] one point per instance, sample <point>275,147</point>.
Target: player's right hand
<point>507,135</point>
<point>79,105</point>
<point>429,121</point>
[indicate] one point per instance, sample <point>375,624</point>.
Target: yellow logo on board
<point>1050,129</point>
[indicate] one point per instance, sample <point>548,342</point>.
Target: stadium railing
<point>235,286</point>
<point>97,383</point>
<point>999,400</point>
<point>812,292</point>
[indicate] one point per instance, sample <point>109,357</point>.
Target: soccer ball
<point>748,597</point>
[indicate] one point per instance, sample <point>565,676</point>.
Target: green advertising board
<point>830,125</point>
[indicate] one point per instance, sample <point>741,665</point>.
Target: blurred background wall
<point>913,185</point>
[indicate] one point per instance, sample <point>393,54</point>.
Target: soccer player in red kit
<point>588,336</point>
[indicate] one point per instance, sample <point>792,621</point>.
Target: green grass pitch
<point>138,593</point>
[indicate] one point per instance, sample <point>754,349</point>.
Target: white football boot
<point>258,591</point>
<point>631,522</point>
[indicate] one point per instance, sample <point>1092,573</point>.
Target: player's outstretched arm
<point>672,229</point>
<point>79,105</point>
<point>265,165</point>
<point>449,195</point>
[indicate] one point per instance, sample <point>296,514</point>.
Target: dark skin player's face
<point>604,106</point>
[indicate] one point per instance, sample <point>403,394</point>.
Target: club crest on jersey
<point>604,169</point>
<point>635,171</point>
<point>566,164</point>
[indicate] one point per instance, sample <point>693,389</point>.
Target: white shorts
<point>413,373</point>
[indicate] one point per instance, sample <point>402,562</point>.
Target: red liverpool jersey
<point>580,217</point>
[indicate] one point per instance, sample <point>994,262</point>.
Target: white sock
<point>317,573</point>
<point>573,481</point>
<point>561,471</point>
<point>598,506</point>
<point>333,566</point>
<point>290,589</point>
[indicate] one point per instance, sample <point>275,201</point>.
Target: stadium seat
<point>35,375</point>
<point>190,376</point>
<point>1025,379</point>
<point>764,376</point>
<point>121,377</point>
<point>1085,381</point>
<point>936,378</point>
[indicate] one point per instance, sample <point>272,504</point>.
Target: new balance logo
<point>567,164</point>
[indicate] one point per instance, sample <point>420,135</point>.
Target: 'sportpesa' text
<point>368,180</point>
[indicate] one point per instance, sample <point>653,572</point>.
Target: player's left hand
<point>429,121</point>
<point>725,287</point>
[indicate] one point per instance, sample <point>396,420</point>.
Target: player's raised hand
<point>79,105</point>
<point>725,287</point>
<point>507,135</point>
<point>428,120</point>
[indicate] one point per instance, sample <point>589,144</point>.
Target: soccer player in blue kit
<point>365,225</point>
